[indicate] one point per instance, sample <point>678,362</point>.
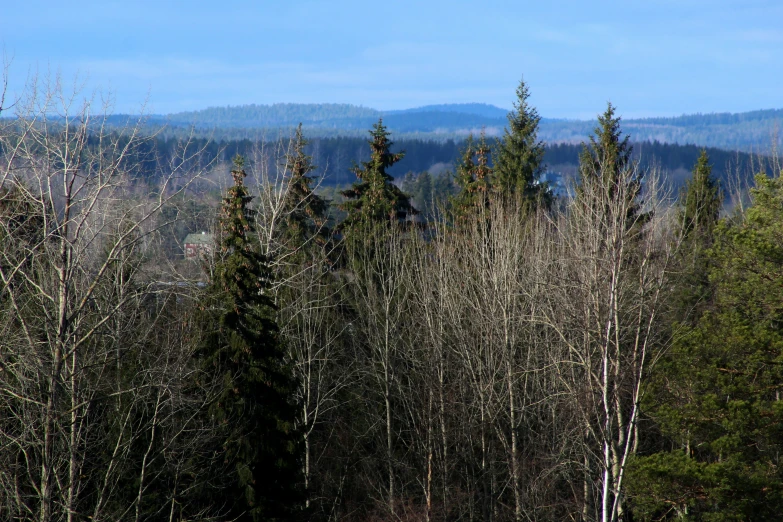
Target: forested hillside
<point>606,353</point>
<point>336,156</point>
<point>755,131</point>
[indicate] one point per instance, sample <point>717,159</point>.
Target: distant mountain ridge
<point>441,119</point>
<point>484,110</point>
<point>278,114</point>
<point>754,131</point>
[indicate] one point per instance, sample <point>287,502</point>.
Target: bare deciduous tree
<point>91,393</point>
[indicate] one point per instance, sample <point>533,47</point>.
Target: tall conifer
<point>608,152</point>
<point>700,201</point>
<point>374,197</point>
<point>473,178</point>
<point>518,164</point>
<point>715,396</point>
<point>700,204</point>
<point>606,162</point>
<point>306,211</point>
<point>254,410</point>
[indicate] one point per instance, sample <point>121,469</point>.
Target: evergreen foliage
<point>474,179</point>
<point>254,410</point>
<point>615,358</point>
<point>305,211</point>
<point>699,208</point>
<point>608,152</point>
<point>701,200</point>
<point>518,164</point>
<point>429,193</point>
<point>607,161</point>
<point>374,198</point>
<point>716,396</point>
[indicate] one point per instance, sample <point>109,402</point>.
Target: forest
<point>334,157</point>
<point>751,132</point>
<point>494,350</point>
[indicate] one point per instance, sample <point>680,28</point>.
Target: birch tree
<point>80,315</point>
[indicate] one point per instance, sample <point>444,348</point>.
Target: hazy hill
<point>338,115</point>
<point>477,109</point>
<point>331,119</point>
<point>754,131</point>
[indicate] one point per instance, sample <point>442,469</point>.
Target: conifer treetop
<point>519,161</point>
<point>701,199</point>
<point>242,350</point>
<point>474,177</point>
<point>374,197</point>
<point>608,152</point>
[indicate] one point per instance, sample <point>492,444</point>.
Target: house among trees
<point>198,244</point>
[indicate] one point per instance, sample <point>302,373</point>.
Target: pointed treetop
<point>374,196</point>
<point>701,199</point>
<point>238,172</point>
<point>519,157</point>
<point>610,151</point>
<point>474,178</point>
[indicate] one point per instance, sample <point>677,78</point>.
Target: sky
<point>649,58</point>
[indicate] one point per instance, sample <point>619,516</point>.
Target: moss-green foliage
<point>717,394</point>
<point>607,154</point>
<point>374,197</point>
<point>518,164</point>
<point>254,410</point>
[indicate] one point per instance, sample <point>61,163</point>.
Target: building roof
<point>199,239</point>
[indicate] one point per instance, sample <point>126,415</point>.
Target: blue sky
<point>649,58</point>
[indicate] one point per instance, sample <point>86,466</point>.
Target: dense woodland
<point>335,157</point>
<point>500,352</point>
<point>753,132</point>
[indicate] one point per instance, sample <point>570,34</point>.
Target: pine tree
<point>717,395</point>
<point>374,198</point>
<point>474,179</point>
<point>254,411</point>
<point>518,164</point>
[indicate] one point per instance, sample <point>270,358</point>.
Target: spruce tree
<point>474,179</point>
<point>699,209</point>
<point>700,201</point>
<point>605,167</point>
<point>518,164</point>
<point>305,211</point>
<point>608,153</point>
<point>254,411</point>
<point>374,198</point>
